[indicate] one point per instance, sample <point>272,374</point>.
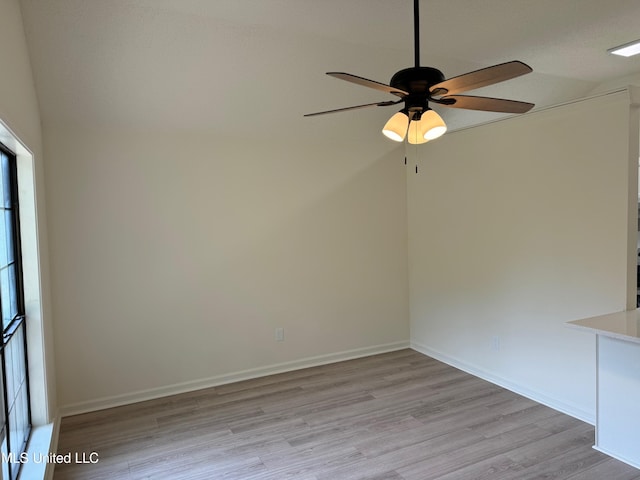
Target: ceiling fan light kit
<point>417,86</point>
<point>436,126</point>
<point>428,126</point>
<point>396,127</point>
<point>415,134</point>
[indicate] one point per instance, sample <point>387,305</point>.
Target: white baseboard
<point>617,457</point>
<point>153,393</point>
<point>556,404</point>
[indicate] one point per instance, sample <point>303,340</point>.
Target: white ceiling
<point>252,68</point>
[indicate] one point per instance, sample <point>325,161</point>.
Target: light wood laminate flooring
<point>395,416</point>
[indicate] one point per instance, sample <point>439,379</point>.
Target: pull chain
<point>406,151</point>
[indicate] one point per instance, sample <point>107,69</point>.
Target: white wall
<point>18,102</point>
<point>516,227</point>
<point>175,256</point>
<point>20,130</point>
<point>616,84</point>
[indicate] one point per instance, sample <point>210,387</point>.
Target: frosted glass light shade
<point>434,125</point>
<point>396,127</point>
<point>417,130</point>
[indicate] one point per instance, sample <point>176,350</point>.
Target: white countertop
<point>621,325</point>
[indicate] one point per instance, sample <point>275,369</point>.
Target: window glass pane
<point>8,234</point>
<point>17,349</point>
<point>17,396</point>
<point>5,452</point>
<point>13,293</point>
<point>8,294</point>
<point>23,400</point>
<point>6,181</point>
<point>2,418</point>
<point>5,295</point>
<point>3,171</point>
<point>13,427</point>
<point>15,431</point>
<point>3,245</point>
<point>10,384</point>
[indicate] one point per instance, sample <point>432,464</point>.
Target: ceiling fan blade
<point>481,78</point>
<point>486,104</point>
<point>377,104</point>
<point>368,83</point>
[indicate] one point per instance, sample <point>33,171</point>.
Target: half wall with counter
<point>617,383</point>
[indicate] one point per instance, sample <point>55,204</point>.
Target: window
<point>15,415</point>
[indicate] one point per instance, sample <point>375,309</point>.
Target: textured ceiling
<point>252,68</point>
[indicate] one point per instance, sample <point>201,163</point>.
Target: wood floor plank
<point>608,469</point>
<point>396,416</point>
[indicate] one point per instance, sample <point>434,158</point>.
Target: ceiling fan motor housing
<point>416,79</point>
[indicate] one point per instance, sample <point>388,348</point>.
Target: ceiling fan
<point>417,86</point>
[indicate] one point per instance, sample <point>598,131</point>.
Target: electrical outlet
<point>495,343</point>
<point>279,334</point>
